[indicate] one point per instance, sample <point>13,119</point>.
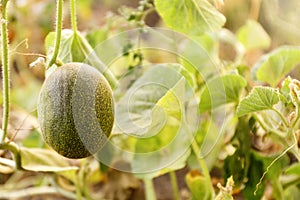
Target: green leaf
<point>255,172</point>
<point>260,98</point>
<point>273,67</point>
<point>170,142</point>
<point>221,90</point>
<point>166,165</point>
<point>42,160</point>
<point>285,90</point>
<point>75,48</point>
<point>253,36</point>
<point>193,17</point>
<point>292,192</point>
<point>150,117</point>
<point>204,61</point>
<point>134,110</point>
<point>237,165</point>
<point>198,186</point>
<point>65,46</point>
<point>205,136</point>
<point>97,36</point>
<point>78,52</point>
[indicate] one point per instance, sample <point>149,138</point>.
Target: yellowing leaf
<point>42,160</point>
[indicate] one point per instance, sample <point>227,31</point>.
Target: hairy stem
<point>5,72</point>
<point>73,15</point>
<point>59,14</point>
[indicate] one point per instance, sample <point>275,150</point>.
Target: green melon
<point>76,110</point>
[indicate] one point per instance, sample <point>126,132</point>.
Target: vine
<point>5,71</point>
<point>73,16</point>
<point>59,22</point>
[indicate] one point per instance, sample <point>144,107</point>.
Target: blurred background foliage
<point>32,20</point>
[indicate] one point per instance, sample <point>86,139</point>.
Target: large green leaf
<point>205,60</point>
<point>260,98</point>
<point>151,118</point>
<point>193,17</point>
<point>170,142</point>
<point>221,90</point>
<point>273,67</point>
<point>253,36</point>
<point>134,110</point>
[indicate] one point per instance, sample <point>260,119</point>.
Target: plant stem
<point>297,116</point>
<point>78,187</point>
<point>59,14</point>
<point>202,164</point>
<point>73,15</point>
<point>149,189</point>
<point>83,179</point>
<point>92,58</point>
<point>281,117</point>
<point>201,161</point>
<point>16,152</point>
<point>295,149</point>
<point>173,177</point>
<point>5,72</point>
<point>267,128</point>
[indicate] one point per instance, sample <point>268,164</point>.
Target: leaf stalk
<point>59,23</point>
